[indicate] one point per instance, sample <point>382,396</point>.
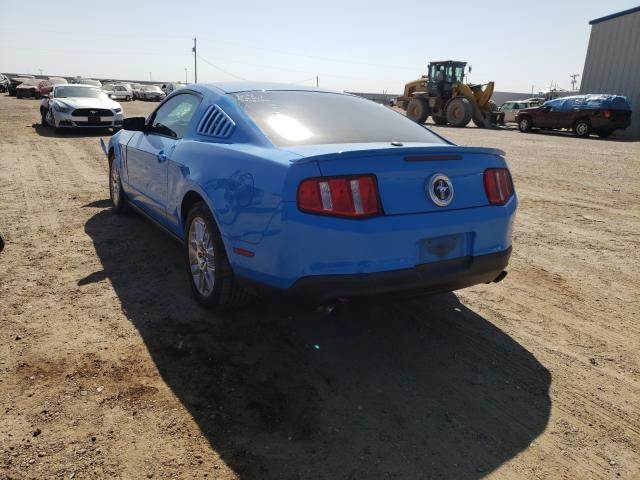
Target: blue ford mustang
<point>314,194</point>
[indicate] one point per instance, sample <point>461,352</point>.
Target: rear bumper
<point>435,277</point>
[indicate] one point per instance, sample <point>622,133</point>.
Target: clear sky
<point>351,45</point>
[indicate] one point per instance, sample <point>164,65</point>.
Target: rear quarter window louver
<point>216,123</point>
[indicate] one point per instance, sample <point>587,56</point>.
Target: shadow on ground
<point>46,131</point>
<point>425,388</point>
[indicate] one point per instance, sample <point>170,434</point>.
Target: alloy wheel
<point>115,183</point>
<point>582,128</point>
<point>201,257</point>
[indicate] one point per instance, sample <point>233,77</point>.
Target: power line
<point>283,69</point>
<point>221,69</point>
<point>315,57</point>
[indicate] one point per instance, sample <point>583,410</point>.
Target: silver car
<point>118,91</point>
<point>151,92</point>
<point>80,106</point>
<point>512,107</point>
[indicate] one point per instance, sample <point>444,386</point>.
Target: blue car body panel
<point>250,186</point>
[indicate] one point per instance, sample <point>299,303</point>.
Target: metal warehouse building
<point>613,60</point>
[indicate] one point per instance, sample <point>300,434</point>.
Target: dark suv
<point>600,114</point>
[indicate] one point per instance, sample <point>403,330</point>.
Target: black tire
<point>525,124</point>
<point>418,110</point>
<point>119,202</point>
<point>439,120</point>
<point>582,128</point>
<point>128,98</point>
<point>43,117</point>
<point>459,112</point>
<point>225,293</point>
<point>604,133</point>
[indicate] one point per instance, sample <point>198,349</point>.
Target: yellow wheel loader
<point>443,95</point>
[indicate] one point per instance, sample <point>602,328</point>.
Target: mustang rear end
<point>381,220</point>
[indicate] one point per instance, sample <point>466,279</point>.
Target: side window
<point>172,117</point>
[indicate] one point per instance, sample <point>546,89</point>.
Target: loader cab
<point>443,76</point>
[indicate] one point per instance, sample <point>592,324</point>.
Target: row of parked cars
<point>583,114</point>
<point>28,86</point>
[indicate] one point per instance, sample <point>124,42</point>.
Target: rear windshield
<point>307,118</point>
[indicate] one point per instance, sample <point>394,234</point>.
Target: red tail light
<point>353,196</point>
<point>498,185</point>
<point>606,113</point>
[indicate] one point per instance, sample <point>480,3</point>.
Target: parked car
<point>45,86</point>
<point>118,91</point>
<point>14,82</point>
<point>600,114</point>
<point>312,194</point>
<point>135,90</point>
<point>4,83</point>
<point>151,92</point>
<point>169,88</point>
<point>28,88</point>
<point>80,106</point>
<point>86,81</point>
<point>512,107</point>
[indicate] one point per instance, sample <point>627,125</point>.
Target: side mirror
<point>135,124</point>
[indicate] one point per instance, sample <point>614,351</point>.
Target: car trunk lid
<point>405,174</point>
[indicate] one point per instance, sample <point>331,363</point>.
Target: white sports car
<point>80,106</point>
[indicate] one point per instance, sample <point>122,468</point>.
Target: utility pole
<point>195,60</point>
<point>150,77</point>
<point>40,71</point>
<point>185,75</point>
<point>317,81</point>
<point>574,80</point>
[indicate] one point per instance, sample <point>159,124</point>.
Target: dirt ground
<point>108,369</point>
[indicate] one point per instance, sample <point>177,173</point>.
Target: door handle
<point>161,156</point>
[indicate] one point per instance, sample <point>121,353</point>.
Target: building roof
<point>615,15</point>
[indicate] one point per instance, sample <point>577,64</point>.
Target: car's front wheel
<point>128,98</point>
<point>582,128</point>
<point>118,198</point>
<point>524,124</point>
<point>210,274</point>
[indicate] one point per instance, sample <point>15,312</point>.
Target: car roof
<point>81,85</point>
<point>235,87</point>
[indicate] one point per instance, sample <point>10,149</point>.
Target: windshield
<point>88,81</point>
<point>307,118</point>
<point>75,91</point>
<point>151,89</point>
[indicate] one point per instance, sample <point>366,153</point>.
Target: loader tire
<point>418,110</point>
<point>459,112</point>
